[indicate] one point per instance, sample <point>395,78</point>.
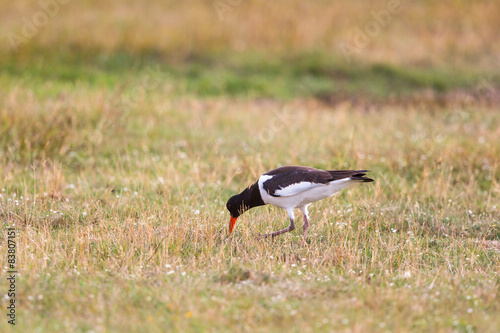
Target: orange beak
<point>231,224</point>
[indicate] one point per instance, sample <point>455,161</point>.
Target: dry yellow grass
<point>452,33</point>
<point>122,225</point>
<point>117,187</point>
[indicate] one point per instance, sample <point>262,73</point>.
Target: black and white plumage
<point>291,187</point>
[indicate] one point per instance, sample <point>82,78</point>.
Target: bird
<point>292,187</point>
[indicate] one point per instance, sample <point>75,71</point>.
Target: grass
<point>119,150</point>
<point>457,34</point>
<point>122,225</point>
<point>251,76</point>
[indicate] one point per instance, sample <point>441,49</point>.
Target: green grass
<point>126,126</point>
<point>118,195</point>
<point>258,75</point>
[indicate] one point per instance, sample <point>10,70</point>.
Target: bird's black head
<point>240,203</point>
<point>236,205</point>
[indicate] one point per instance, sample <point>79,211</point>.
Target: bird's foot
<point>263,236</point>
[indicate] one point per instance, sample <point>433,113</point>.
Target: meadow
<point>121,142</point>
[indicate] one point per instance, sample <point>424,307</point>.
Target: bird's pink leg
<point>277,233</point>
<point>306,224</point>
<point>304,233</point>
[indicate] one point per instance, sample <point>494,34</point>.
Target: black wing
<point>309,177</point>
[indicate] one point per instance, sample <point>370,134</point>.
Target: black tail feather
<point>360,177</point>
<point>352,174</point>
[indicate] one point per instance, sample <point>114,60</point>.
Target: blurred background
<point>416,33</point>
<point>336,50</point>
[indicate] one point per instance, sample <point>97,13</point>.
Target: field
<point>125,127</point>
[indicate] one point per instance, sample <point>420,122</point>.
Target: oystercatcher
<point>291,187</point>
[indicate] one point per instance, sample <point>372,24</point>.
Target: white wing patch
<point>296,189</point>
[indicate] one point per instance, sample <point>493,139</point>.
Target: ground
<point>117,160</point>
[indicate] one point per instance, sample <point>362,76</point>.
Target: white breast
<point>265,196</point>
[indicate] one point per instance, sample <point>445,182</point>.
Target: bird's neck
<point>252,197</point>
